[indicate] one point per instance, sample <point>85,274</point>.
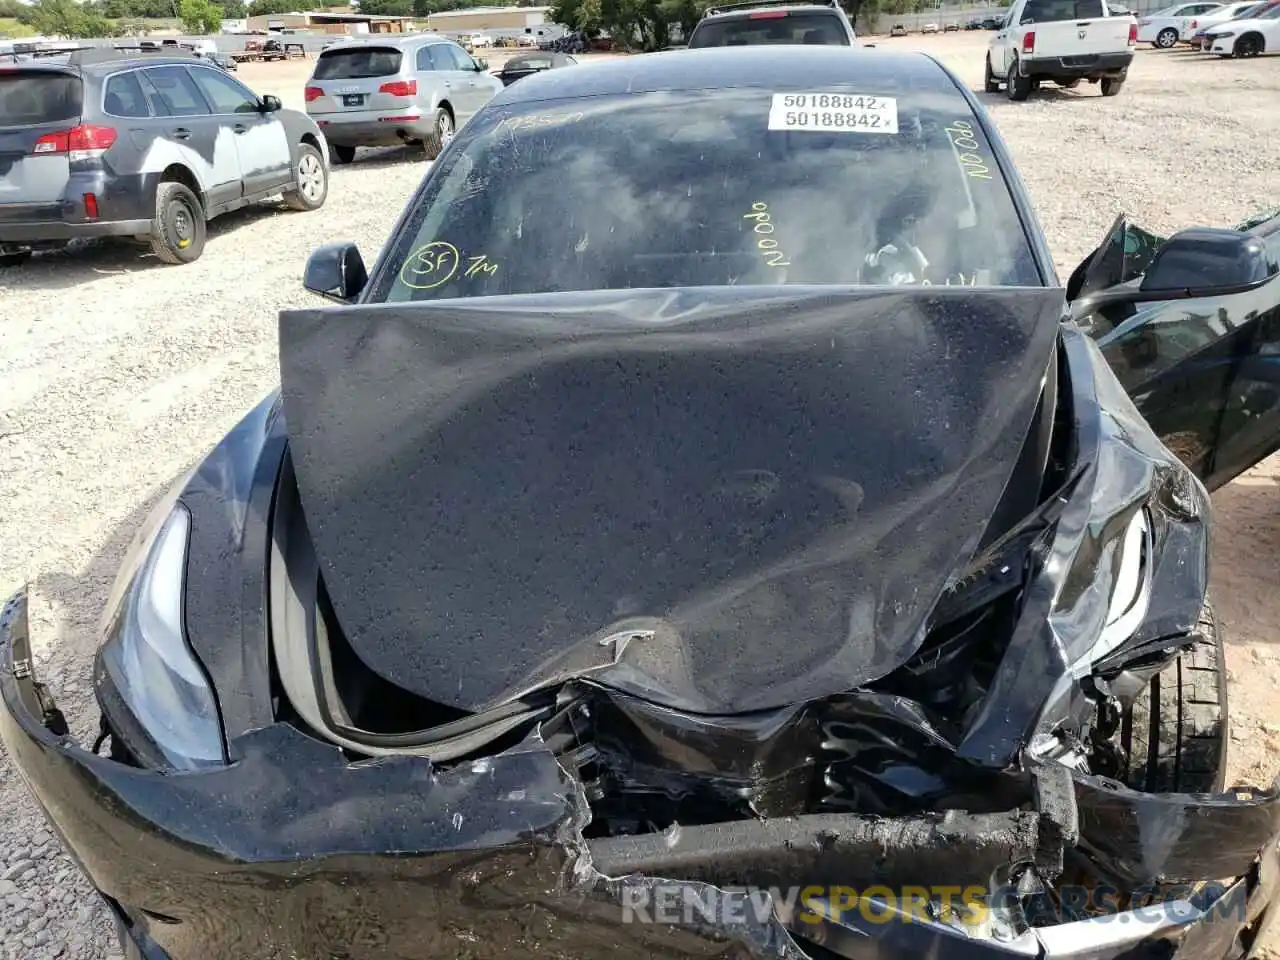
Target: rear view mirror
<point>270,104</point>
<point>336,271</point>
<point>1204,261</point>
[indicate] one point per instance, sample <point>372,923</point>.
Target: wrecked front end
<point>962,799</point>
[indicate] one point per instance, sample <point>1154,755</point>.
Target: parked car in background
<point>219,60</point>
<point>1165,28</point>
<point>111,143</point>
<point>416,88</point>
<point>1198,28</point>
<point>756,22</point>
<point>951,28</point>
<point>929,28</point>
<point>1064,41</point>
<point>898,30</point>
<point>526,64</point>
<point>1257,34</point>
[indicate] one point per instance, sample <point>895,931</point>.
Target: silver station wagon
<point>381,92</point>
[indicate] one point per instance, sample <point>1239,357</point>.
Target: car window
<point>423,61</point>
<point>702,193</point>
<point>1051,11</point>
<point>225,94</point>
<point>1271,14</point>
<point>440,57</point>
<point>357,63</point>
<point>38,96</point>
<point>769,27</point>
<point>123,96</point>
<point>179,96</point>
<point>461,60</point>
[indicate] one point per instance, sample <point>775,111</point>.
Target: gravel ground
<point>117,372</point>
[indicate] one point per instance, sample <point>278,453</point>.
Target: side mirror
<point>270,104</point>
<point>336,271</point>
<point>1208,260</point>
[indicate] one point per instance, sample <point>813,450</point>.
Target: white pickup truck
<point>1065,41</point>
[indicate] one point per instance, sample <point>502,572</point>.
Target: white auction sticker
<point>834,113</point>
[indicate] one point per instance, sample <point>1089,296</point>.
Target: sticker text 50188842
<point>834,113</point>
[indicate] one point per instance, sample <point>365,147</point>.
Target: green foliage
<point>387,8</point>
<point>234,10</point>
<point>67,18</point>
<point>200,16</point>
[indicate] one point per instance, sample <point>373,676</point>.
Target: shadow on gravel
<point>84,260</point>
<point>1047,94</point>
<point>76,599</point>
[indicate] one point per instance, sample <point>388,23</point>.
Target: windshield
<point>357,64</point>
<point>1248,12</point>
<point>1269,13</point>
<point>771,26</point>
<point>675,189</point>
<point>38,96</point>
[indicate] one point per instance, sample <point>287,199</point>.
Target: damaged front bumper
<point>292,851</point>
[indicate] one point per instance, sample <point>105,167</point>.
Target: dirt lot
<point>117,372</point>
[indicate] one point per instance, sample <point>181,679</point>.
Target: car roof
<point>387,40</point>
<point>715,68</point>
<point>714,14</point>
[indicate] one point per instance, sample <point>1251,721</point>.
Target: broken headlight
<point>153,692</point>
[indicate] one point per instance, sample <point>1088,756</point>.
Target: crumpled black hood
<point>721,500</point>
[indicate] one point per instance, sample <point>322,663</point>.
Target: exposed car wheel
<point>15,259</point>
<point>1175,734</point>
<point>341,154</point>
<point>178,230</point>
<point>1111,86</point>
<point>991,84</point>
<point>311,180</point>
<point>1250,45</point>
<point>1017,87</point>
<point>442,133</point>
<point>1166,38</point>
<point>1069,84</point>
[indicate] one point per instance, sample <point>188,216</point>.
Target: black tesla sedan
<point>745,555</point>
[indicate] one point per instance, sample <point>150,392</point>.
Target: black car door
<point>1205,372</point>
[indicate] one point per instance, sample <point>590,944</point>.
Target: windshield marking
<point>766,244</point>
<point>480,265</point>
<point>960,133</point>
<point>437,261</point>
<point>530,121</point>
<point>833,113</point>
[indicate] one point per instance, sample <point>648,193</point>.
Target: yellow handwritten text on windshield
<point>765,243</point>
<point>430,266</point>
<point>967,150</point>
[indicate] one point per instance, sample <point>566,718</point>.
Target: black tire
<point>341,154</point>
<point>310,179</point>
<point>1175,735</point>
<point>1111,86</point>
<point>1069,84</point>
<point>1166,38</point>
<point>178,230</point>
<point>1250,45</point>
<point>1017,87</point>
<point>442,130</point>
<point>15,259</point>
<point>990,83</point>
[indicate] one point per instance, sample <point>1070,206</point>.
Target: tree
<point>260,8</point>
<point>387,8</point>
<point>67,18</point>
<point>200,16</point>
<point>234,10</point>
